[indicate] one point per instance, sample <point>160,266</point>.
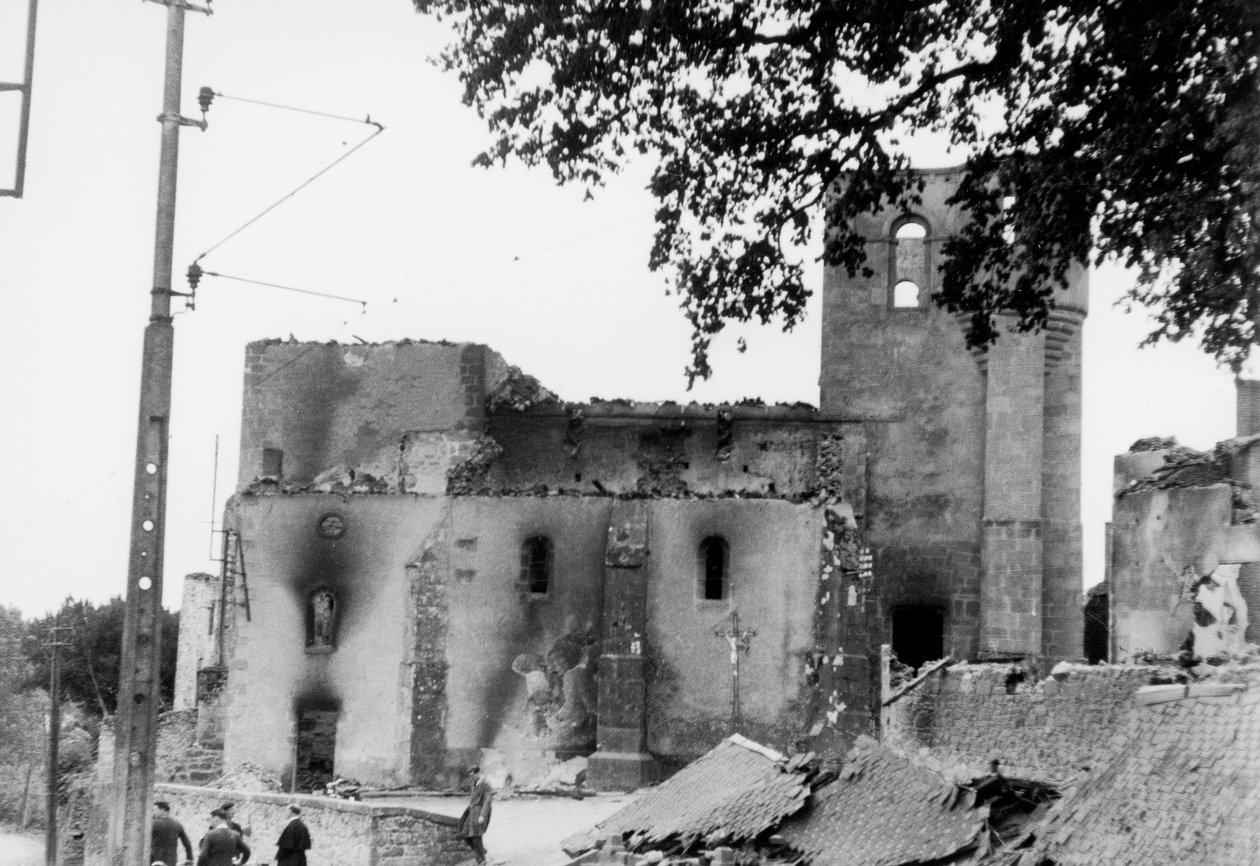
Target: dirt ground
<point>21,849</point>
<point>526,831</point>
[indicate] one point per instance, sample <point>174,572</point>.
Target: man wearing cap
<point>222,845</point>
<point>167,833</point>
<point>226,809</point>
<point>473,823</point>
<point>294,841</point>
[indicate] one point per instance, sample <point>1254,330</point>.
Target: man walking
<point>294,841</point>
<point>167,833</point>
<point>473,823</point>
<point>222,845</point>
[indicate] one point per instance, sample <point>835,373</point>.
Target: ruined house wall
<point>329,405</point>
<point>366,675</point>
<point>180,758</point>
<point>669,450</point>
<point>1157,536</point>
<point>198,644</point>
<point>1051,730</point>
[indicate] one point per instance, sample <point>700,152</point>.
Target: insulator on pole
<point>205,96</point>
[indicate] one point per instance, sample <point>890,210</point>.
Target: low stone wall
<point>343,833</point>
<point>1051,730</point>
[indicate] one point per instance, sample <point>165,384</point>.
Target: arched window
<point>536,560</point>
<point>713,583</point>
<point>909,265</point>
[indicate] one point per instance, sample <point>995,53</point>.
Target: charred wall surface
<point>310,408</point>
<point>670,450</point>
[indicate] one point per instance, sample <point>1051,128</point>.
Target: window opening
<point>906,295</point>
<point>909,265</point>
<point>918,634</point>
<point>536,561</point>
<point>714,567</point>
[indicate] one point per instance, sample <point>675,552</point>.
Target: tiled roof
<point>1183,786</point>
<point>884,810</point>
<point>734,792</point>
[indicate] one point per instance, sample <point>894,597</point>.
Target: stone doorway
<point>918,634</point>
<point>315,750</point>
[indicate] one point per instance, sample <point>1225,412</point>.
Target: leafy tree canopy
<point>91,654</point>
<point>1123,129</point>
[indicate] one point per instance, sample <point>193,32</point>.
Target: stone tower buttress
<point>974,499</point>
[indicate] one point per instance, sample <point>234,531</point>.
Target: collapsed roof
<point>731,794</point>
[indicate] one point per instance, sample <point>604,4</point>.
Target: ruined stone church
<point>431,561</point>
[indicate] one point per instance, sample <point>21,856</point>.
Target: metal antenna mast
<point>135,729</point>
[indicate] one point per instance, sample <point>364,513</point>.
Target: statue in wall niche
<point>323,617</point>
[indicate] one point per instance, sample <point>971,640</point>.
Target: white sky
<point>558,286</point>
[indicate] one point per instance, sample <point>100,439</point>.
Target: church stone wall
<point>364,674</point>
<point>670,450</point>
<point>774,548</point>
<point>441,656</point>
<point>515,659</point>
<point>909,371</point>
<point>311,407</point>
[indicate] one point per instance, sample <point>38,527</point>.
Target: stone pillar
<point>1012,534</point>
<point>1062,636</point>
<point>621,761</point>
<point>1248,421</point>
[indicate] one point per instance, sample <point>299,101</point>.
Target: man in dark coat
<point>230,817</point>
<point>167,833</point>
<point>473,823</point>
<point>222,845</point>
<point>294,841</point>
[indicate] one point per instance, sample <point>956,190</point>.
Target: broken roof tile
<point>734,792</point>
<point>883,810</point>
<point>1183,787</point>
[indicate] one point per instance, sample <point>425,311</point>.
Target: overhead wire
<point>379,129</point>
<point>367,119</point>
<point>284,288</point>
<point>413,295</point>
<point>428,290</point>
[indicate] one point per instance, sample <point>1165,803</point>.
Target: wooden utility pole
<point>135,729</point>
<point>54,741</point>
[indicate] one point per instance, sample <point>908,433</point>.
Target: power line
<point>285,288</point>
<point>456,281</point>
<point>368,119</point>
<point>379,129</point>
<point>413,295</point>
